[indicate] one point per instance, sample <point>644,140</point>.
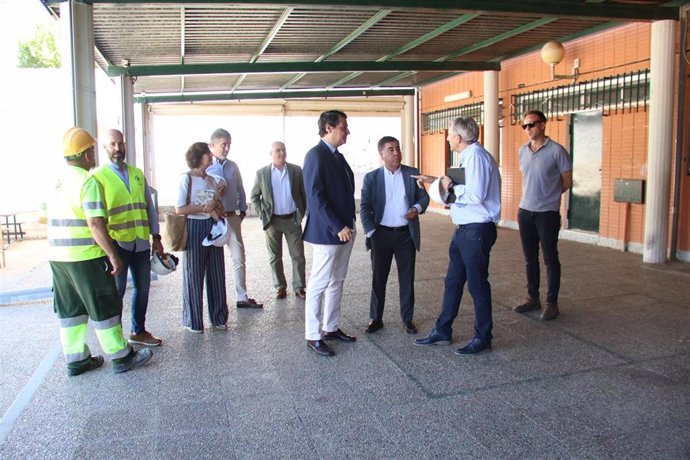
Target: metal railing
<point>623,93</point>
<point>440,119</point>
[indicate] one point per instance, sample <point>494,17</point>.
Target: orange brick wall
<point>624,149</point>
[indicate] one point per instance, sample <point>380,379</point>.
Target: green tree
<point>39,51</point>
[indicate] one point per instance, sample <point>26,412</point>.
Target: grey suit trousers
<point>274,243</point>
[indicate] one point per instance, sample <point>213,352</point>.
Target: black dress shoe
<point>339,335</point>
<point>434,338</point>
<point>249,303</point>
<point>410,328</point>
<point>473,347</point>
<point>374,326</point>
<point>320,347</point>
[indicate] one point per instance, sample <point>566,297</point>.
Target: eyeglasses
<point>531,125</point>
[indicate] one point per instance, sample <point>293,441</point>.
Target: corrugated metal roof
<point>184,34</point>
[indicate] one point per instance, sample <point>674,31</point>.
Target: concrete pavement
<point>610,378</point>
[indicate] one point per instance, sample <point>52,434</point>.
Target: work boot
<point>529,305</point>
<point>550,312</point>
<point>135,359</point>
<point>94,362</point>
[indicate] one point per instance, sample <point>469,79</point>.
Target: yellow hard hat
<point>75,141</point>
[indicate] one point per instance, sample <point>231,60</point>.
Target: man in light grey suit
<point>279,200</point>
<point>391,203</point>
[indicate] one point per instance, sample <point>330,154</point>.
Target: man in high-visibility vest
<point>84,262</point>
<point>132,217</point>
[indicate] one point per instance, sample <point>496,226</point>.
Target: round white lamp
<point>552,53</point>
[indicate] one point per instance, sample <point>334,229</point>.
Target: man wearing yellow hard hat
<point>84,261</point>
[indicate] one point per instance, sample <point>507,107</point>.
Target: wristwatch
<point>156,236</point>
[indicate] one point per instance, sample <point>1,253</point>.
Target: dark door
<point>585,195</point>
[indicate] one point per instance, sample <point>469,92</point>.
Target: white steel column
<point>660,144</point>
<point>149,166</point>
<point>491,137</point>
<point>126,87</point>
<point>408,144</point>
<point>78,60</point>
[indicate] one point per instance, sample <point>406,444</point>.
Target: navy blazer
<point>374,199</point>
<point>330,187</point>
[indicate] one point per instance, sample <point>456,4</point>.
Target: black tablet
<point>457,174</point>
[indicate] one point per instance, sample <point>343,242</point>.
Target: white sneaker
<point>196,331</point>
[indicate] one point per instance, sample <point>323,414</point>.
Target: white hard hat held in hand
<point>163,265</point>
<point>219,235</point>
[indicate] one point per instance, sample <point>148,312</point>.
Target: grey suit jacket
<point>373,199</point>
<point>262,193</point>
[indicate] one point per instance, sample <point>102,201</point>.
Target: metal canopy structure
<point>212,50</point>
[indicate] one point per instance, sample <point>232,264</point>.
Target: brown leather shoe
<point>145,338</point>
<point>529,305</point>
<point>301,293</point>
<point>281,293</point>
<point>549,313</point>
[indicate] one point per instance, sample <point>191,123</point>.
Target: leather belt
<point>474,224</point>
<point>283,216</point>
<point>404,228</point>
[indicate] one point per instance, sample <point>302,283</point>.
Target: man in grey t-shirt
<point>546,175</point>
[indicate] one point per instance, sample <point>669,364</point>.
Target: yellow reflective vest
<point>127,215</point>
<point>76,196</point>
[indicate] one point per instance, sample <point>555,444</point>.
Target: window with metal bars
<point>623,93</point>
<point>440,119</point>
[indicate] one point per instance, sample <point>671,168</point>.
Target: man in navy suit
<point>329,184</point>
<point>390,208</point>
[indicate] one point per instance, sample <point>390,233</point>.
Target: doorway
<point>585,195</point>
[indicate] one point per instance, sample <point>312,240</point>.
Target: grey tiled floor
<point>610,378</point>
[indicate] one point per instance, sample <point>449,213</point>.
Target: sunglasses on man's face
<point>531,125</point>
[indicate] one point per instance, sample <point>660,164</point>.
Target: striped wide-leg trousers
<point>203,262</point>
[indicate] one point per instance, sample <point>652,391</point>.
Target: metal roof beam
<point>413,44</point>
<point>273,95</point>
<point>296,67</point>
<point>272,34</point>
<point>482,44</point>
<point>602,11</point>
<point>564,38</point>
<point>497,38</point>
<point>429,36</point>
<point>267,41</point>
<point>523,51</point>
<point>368,24</point>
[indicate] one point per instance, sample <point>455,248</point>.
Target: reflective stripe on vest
<point>127,216</point>
<point>69,236</point>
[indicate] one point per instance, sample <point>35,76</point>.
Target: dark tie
<point>343,164</point>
